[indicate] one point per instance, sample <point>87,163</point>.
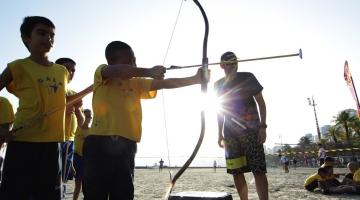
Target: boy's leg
<point>124,158</point>
<point>16,180</point>
<point>77,189</point>
<point>261,183</point>
<point>78,175</point>
<point>31,171</point>
<point>49,166</point>
<point>67,155</point>
<point>96,168</point>
<point>241,186</point>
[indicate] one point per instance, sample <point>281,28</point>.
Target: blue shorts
<point>78,165</point>
<point>67,155</point>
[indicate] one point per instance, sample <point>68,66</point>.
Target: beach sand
<point>150,184</point>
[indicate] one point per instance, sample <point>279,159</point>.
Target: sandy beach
<point>150,184</point>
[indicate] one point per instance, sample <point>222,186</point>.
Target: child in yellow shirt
<point>110,148</point>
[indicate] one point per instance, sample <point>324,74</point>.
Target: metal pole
<point>316,120</point>
<point>244,60</point>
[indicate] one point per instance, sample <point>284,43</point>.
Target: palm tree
<point>355,125</point>
<point>334,132</point>
<point>344,119</point>
<point>304,142</point>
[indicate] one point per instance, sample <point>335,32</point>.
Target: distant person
<point>321,154</point>
<point>214,165</point>
<point>294,161</point>
<point>306,162</point>
<point>73,117</point>
<point>81,133</point>
<point>32,167</point>
<point>241,126</point>
<point>109,150</point>
<point>161,165</point>
<point>285,163</point>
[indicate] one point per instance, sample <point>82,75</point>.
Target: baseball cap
<point>228,57</point>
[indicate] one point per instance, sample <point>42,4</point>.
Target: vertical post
<point>312,103</point>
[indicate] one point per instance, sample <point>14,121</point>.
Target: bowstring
<point>162,91</point>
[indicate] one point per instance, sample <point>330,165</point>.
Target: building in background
<point>325,131</point>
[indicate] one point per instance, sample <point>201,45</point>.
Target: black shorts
<point>108,167</point>
<point>244,153</point>
<point>78,165</point>
<point>32,170</point>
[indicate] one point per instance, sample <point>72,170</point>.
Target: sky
<point>327,31</point>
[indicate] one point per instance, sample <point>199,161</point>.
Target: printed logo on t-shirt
<point>50,83</point>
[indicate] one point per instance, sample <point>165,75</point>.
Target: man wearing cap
<point>242,128</point>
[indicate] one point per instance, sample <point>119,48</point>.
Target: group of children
<point>40,144</point>
<point>328,182</point>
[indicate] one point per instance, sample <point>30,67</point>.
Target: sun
<point>212,103</point>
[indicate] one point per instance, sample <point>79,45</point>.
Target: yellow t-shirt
<point>70,122</point>
<point>116,105</point>
<point>41,93</point>
<point>6,111</point>
<point>356,176</point>
<point>312,178</point>
<point>80,135</point>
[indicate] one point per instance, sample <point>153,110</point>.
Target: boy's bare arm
<point>5,135</point>
<point>79,114</point>
<point>179,82</point>
<point>127,71</point>
<point>76,98</point>
<point>5,78</point>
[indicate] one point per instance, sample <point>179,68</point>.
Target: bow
<point>204,90</point>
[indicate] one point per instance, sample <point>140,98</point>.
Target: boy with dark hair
<point>31,168</point>
<point>73,117</point>
<point>109,150</point>
<point>312,181</point>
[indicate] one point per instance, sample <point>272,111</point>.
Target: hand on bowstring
<point>158,72</point>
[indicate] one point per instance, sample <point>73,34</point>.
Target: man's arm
<point>127,71</point>
<point>262,109</point>
<point>220,120</point>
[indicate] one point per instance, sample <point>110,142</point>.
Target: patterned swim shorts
<point>243,153</point>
